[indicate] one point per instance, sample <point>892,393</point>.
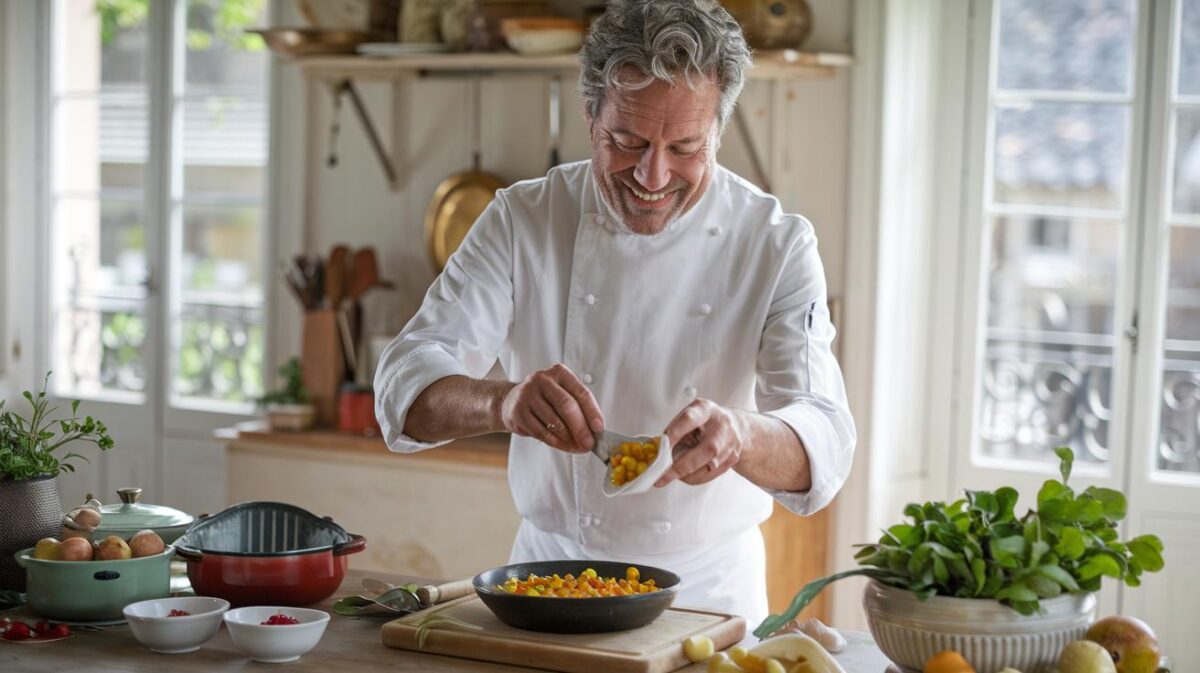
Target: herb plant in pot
<point>31,459</point>
<point>1002,591</point>
<point>288,408</point>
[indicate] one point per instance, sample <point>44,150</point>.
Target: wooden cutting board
<point>654,648</point>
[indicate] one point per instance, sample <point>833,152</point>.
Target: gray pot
<point>32,510</point>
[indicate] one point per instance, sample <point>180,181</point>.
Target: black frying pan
<point>576,615</point>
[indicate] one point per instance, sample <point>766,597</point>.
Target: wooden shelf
<point>773,64</point>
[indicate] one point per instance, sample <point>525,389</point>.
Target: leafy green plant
<point>293,390</point>
<point>978,548</point>
<point>28,445</point>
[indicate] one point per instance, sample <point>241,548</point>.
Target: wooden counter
<point>349,644</point>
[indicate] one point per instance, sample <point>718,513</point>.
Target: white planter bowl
<point>277,643</point>
<point>988,634</point>
<point>174,635</point>
<point>290,417</point>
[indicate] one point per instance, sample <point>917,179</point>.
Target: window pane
<point>99,342</point>
<point>1047,370</point>
<point>101,144</point>
<point>1066,45</point>
<point>1179,444</point>
<point>1189,53</point>
<point>101,44</point>
<point>220,354</point>
<point>221,252</point>
<point>219,51</point>
<point>100,246</point>
<point>230,183</point>
<point>225,130</point>
<point>1061,154</point>
<point>1186,187</point>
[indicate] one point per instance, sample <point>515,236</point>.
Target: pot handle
<point>356,544</point>
<point>189,554</point>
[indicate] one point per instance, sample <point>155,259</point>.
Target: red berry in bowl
<point>179,613</point>
<point>280,619</point>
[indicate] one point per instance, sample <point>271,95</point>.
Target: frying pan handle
<point>356,544</point>
<point>189,554</point>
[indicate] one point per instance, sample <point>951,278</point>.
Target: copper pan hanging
<point>459,200</point>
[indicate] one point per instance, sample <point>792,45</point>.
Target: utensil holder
<point>323,364</point>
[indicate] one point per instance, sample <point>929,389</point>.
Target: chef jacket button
<point>587,378</point>
<point>595,522</point>
<point>590,299</point>
<point>689,391</point>
<point>585,521</point>
<point>705,309</point>
<point>664,526</point>
<point>715,230</point>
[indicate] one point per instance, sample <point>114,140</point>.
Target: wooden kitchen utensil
<point>323,364</point>
<point>335,276</point>
<point>655,648</point>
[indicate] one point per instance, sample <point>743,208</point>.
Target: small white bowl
<point>275,643</point>
<point>174,635</point>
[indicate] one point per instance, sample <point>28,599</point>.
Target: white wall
<point>801,129</point>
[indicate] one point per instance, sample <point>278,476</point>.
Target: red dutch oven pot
<point>267,553</point>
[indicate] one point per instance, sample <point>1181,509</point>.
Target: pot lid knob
<point>130,494</point>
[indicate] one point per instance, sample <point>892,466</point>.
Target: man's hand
<point>713,439</point>
<point>553,406</point>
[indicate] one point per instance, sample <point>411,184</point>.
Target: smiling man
<point>645,291</point>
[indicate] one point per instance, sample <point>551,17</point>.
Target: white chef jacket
<point>727,303</point>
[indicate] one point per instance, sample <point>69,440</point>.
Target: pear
<point>113,548</point>
<point>47,549</point>
<point>1131,643</point>
<point>1084,656</point>
<point>146,543</point>
<point>75,549</point>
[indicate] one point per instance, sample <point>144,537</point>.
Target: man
<point>647,290</point>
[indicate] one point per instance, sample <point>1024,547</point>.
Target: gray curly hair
<point>664,39</point>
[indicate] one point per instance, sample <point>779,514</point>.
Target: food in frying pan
<point>587,585</point>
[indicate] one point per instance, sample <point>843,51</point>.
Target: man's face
<point>653,151</point>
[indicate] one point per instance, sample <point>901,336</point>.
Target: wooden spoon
<point>335,276</point>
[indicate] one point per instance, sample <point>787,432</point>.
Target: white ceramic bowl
<point>275,643</point>
<point>989,634</point>
<point>173,635</point>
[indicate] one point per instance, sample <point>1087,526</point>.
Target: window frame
<point>165,82</point>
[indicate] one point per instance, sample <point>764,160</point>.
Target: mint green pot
<point>85,591</point>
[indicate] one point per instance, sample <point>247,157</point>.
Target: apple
<point>113,548</point>
<point>146,543</point>
<point>47,549</point>
<point>1084,656</point>
<point>1130,642</point>
<point>75,549</point>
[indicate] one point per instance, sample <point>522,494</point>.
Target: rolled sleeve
<point>799,380</point>
<point>463,321</point>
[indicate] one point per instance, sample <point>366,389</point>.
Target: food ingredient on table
<point>829,638</point>
<point>179,613</point>
<point>42,631</point>
<point>587,585</point>
<point>1084,656</point>
<point>47,549</point>
<point>279,620</point>
<point>1129,641</point>
<point>630,459</point>
<point>698,648</point>
<point>948,661</point>
<point>791,649</point>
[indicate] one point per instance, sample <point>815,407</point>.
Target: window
<point>157,200</point>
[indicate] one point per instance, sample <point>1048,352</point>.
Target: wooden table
<point>349,644</point>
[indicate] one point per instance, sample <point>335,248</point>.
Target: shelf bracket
<point>346,87</point>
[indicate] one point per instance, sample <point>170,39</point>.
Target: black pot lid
<point>263,529</point>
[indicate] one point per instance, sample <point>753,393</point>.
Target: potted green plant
<point>31,458</point>
<point>1003,590</point>
<point>288,407</point>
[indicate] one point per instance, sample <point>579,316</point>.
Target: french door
<point>155,211</point>
<point>1079,318</point>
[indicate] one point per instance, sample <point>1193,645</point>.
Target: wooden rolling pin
<point>432,594</point>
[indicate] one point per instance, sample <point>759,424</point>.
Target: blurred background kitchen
<point>1006,194</point>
